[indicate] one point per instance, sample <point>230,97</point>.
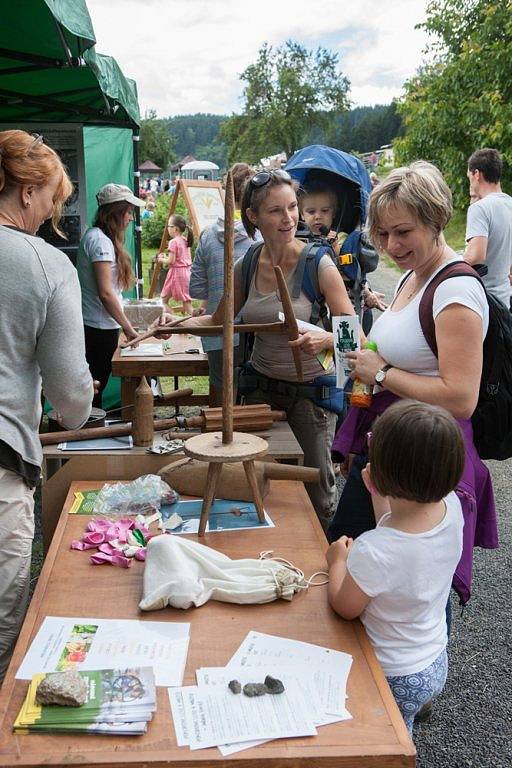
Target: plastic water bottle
<point>362,393</point>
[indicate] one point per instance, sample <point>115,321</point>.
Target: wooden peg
<point>227,336</point>
<point>291,322</point>
<point>143,427</point>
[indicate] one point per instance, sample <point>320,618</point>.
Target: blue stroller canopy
<point>317,157</point>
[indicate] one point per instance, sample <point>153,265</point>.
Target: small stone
<point>235,686</point>
<point>66,689</point>
<point>273,685</point>
<point>255,689</point>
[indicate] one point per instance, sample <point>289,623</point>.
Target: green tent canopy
<point>50,71</point>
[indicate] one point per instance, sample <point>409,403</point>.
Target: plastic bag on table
<point>142,496</point>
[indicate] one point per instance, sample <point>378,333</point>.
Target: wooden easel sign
<point>204,201</point>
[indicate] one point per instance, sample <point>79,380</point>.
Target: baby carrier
<point>347,177</point>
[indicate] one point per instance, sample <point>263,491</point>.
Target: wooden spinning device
<point>218,448</point>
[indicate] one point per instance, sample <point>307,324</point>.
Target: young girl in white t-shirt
<point>397,577</point>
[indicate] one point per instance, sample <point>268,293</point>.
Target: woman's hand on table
<point>365,364</point>
<point>312,342</point>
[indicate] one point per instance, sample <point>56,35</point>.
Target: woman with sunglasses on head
<point>105,270</point>
<point>269,204</point>
<point>42,344</point>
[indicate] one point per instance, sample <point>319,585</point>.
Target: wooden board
<point>69,585</point>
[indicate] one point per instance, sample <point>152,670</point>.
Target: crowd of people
<point>417,497</point>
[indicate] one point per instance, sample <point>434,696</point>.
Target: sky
<point>187,55</point>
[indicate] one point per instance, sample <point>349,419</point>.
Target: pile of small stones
<point>271,685</point>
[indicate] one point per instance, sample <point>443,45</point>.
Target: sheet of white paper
<point>85,643</point>
<point>345,330</point>
<point>302,325</point>
<point>219,677</point>
<point>153,349</point>
<point>178,716</point>
<point>330,668</point>
<point>219,717</point>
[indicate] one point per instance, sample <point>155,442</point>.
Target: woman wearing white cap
<point>104,270</point>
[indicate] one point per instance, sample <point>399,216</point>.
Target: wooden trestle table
<point>70,586</point>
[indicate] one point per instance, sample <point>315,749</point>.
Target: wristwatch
<point>381,375</point>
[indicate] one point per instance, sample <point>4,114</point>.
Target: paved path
<point>472,722</point>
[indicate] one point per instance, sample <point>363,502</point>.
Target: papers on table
<point>225,515</point>
<point>99,444</point>
<point>151,349</point>
<point>315,678</point>
<point>67,643</point>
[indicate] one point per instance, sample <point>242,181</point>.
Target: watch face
<point>380,376</point>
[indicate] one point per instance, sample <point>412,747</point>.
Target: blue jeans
<point>411,692</point>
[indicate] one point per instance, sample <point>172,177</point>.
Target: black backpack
<point>492,418</point>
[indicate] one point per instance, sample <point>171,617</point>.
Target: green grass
<point>456,230</point>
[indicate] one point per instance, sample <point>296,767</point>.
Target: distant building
<point>148,169</point>
<point>200,169</point>
<point>176,167</point>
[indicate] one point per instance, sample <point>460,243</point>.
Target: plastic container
<point>362,393</point>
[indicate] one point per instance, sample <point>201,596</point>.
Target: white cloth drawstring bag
<point>180,572</point>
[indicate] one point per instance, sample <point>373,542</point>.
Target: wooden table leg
<point>250,471</point>
<point>128,386</point>
<point>214,470</point>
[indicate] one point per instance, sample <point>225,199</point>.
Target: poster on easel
<point>204,201</point>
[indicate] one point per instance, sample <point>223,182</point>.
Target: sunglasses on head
<point>262,178</point>
<point>37,139</point>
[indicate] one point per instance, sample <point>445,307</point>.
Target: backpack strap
<point>454,269</point>
<point>305,278</point>
<point>311,284</point>
<point>249,263</point>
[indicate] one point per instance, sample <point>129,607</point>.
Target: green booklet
<point>118,701</point>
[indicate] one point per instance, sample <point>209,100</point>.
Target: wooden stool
<point>209,447</point>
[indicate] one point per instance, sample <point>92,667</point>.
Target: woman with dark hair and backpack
<point>407,214</point>
<point>104,270</point>
<point>269,204</point>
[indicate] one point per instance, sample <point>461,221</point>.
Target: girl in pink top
<point>179,260</point>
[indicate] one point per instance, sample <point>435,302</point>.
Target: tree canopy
<point>461,99</point>
<point>288,91</point>
<point>155,142</point>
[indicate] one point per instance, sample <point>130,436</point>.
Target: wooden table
<point>70,586</point>
<point>61,467</point>
<point>177,364</point>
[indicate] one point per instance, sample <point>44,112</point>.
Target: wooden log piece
<point>143,430</point>
<point>210,330</point>
<point>189,476</point>
<point>153,331</point>
<point>291,322</point>
<point>228,296</point>
<point>52,438</point>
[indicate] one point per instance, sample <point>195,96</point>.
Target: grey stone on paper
<point>66,689</point>
<point>234,686</point>
<point>273,685</point>
<point>255,689</point>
